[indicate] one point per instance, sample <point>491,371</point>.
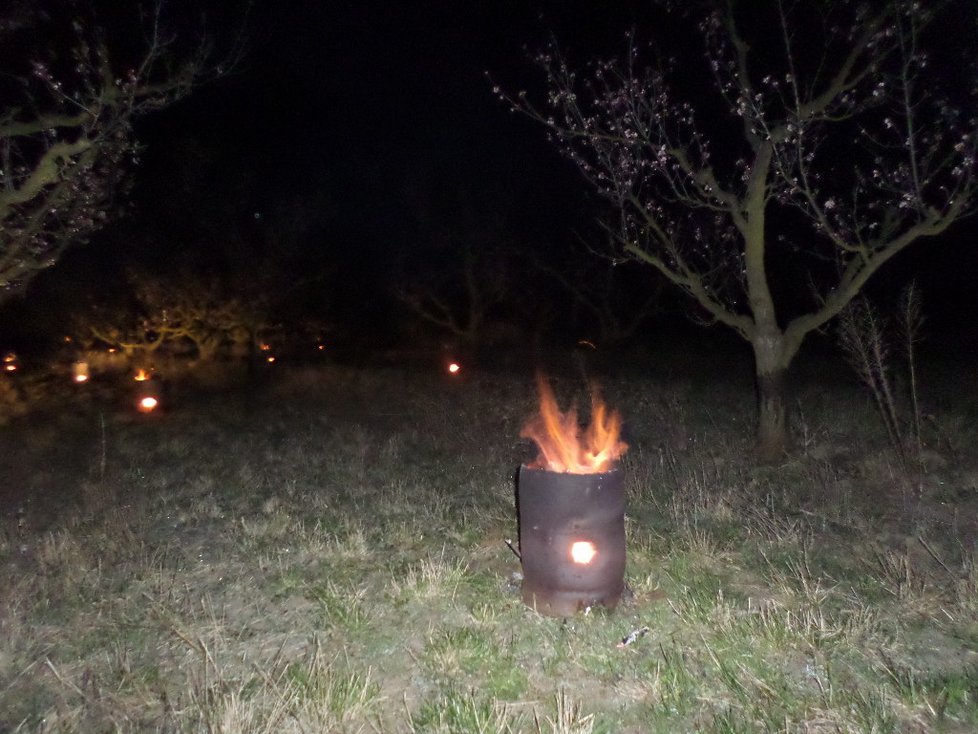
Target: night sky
<point>371,129</point>
<point>385,109</point>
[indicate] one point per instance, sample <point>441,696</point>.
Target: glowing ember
<point>583,552</point>
<point>141,375</point>
<point>454,368</point>
<point>270,359</point>
<point>563,448</point>
<point>147,404</point>
<point>81,378</point>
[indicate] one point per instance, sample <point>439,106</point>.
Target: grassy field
<point>327,554</point>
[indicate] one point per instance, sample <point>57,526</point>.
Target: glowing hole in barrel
<point>148,404</point>
<point>583,552</point>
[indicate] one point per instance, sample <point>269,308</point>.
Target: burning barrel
<point>572,510</point>
<point>79,372</point>
<point>572,540</point>
<point>148,392</point>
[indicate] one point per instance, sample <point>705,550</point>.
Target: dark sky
<point>383,115</point>
<point>373,122</point>
<point>385,107</point>
<point>385,103</point>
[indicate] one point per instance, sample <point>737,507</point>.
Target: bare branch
<point>68,142</point>
<point>840,130</point>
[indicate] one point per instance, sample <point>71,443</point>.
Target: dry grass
<point>328,555</point>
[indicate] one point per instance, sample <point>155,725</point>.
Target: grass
<point>328,554</point>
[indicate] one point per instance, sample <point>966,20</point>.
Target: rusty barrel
<point>572,539</point>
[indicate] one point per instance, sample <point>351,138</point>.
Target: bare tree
<point>66,124</point>
<point>189,309</point>
<point>598,285</point>
<point>819,137</point>
<point>464,271</point>
<point>458,299</point>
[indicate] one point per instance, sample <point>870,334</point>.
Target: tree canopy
<point>75,85</point>
<point>812,134</point>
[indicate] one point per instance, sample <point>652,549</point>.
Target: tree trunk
<point>772,404</point>
<point>207,348</point>
<point>772,412</point>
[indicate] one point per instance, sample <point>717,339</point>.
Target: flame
<point>583,552</point>
<point>558,435</point>
<point>147,404</point>
<point>141,375</point>
<point>454,368</point>
<point>81,378</point>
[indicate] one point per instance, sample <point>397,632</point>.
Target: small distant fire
<point>147,391</point>
<point>266,349</point>
<point>454,368</point>
<point>79,372</point>
<point>10,362</point>
<point>564,446</point>
<point>147,404</point>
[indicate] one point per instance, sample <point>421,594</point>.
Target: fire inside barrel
<point>572,510</point>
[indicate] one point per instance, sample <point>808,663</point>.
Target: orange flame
<point>563,448</point>
<point>141,375</point>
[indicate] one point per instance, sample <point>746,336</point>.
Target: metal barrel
<point>572,540</point>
